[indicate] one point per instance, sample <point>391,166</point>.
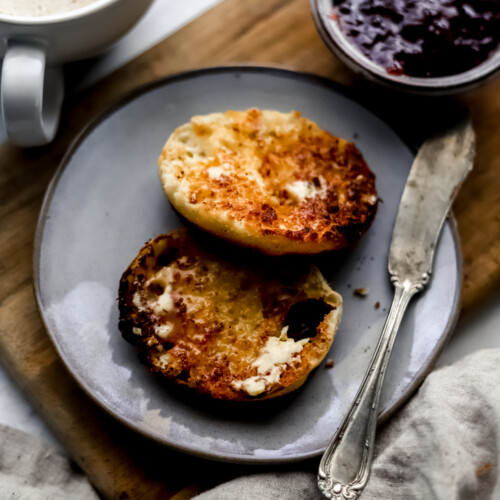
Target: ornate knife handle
<point>345,467</point>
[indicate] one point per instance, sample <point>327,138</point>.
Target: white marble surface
<point>477,331</point>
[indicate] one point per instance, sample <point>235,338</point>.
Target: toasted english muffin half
<point>269,180</point>
<point>232,325</point>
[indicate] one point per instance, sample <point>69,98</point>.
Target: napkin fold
<point>32,470</point>
<point>443,444</point>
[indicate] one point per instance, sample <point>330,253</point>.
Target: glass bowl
<point>347,52</point>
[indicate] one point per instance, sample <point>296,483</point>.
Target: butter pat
<point>274,356</point>
<point>162,360</point>
<point>252,386</point>
<point>164,331</point>
<point>301,190</point>
<point>216,172</point>
<point>278,351</point>
<point>136,300</point>
<point>162,303</point>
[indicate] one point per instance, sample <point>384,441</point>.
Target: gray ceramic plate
<point>106,201</point>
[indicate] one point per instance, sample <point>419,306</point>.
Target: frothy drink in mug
<point>40,8</point>
<point>37,38</point>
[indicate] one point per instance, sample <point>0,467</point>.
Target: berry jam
<point>422,38</point>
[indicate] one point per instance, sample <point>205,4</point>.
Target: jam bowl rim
<point>350,55</point>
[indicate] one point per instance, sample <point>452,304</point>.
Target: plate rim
<point>129,96</point>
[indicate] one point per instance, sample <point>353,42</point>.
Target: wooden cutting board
<point>120,463</point>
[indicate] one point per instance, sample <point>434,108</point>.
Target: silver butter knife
<point>441,165</point>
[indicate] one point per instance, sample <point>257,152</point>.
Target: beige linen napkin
<point>443,444</point>
<point>32,470</point>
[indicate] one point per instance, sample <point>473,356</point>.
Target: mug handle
<point>31,94</point>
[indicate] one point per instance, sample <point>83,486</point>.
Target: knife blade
<point>438,170</point>
<point>440,167</point>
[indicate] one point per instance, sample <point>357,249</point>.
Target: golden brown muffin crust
<point>205,316</point>
<point>269,180</point>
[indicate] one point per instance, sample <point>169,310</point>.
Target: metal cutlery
<point>440,167</point>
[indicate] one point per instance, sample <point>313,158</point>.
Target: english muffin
<point>231,325</point>
<point>269,180</point>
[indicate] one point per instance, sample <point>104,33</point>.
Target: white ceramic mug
<point>33,50</point>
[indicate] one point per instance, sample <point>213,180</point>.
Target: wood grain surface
<point>120,463</point>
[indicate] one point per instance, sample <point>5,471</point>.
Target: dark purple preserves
<point>422,38</point>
